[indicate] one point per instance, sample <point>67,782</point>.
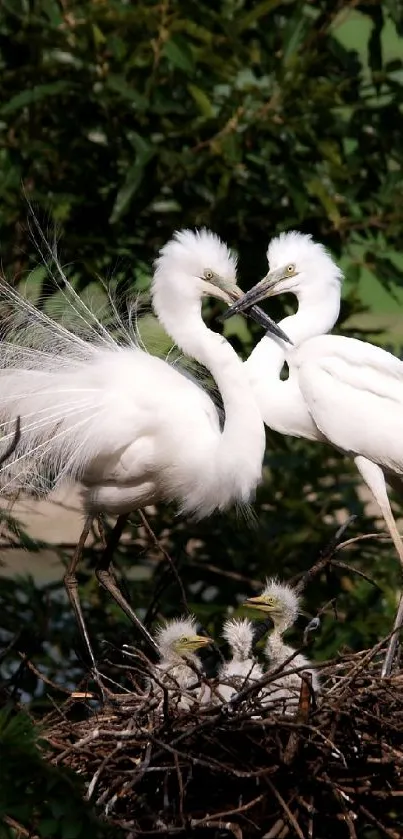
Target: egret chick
<point>177,642</point>
<point>242,666</point>
<point>281,603</point>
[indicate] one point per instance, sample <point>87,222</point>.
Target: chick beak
<point>258,603</point>
<point>201,641</point>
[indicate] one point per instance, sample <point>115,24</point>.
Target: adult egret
<point>340,390</point>
<point>177,671</point>
<point>131,427</point>
<point>281,603</point>
<point>242,666</point>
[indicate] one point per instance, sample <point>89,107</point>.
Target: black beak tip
<point>232,310</point>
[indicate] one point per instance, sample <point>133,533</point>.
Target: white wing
<point>354,392</point>
<point>84,396</point>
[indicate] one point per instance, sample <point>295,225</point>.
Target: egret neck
<point>281,404</point>
<point>243,430</point>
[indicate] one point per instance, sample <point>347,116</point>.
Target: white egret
<point>177,671</point>
<point>242,668</point>
<point>132,428</point>
<point>339,390</point>
<point>281,603</point>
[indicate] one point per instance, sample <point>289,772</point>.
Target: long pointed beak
<point>267,287</point>
<point>260,317</point>
<point>241,304</point>
<point>201,640</point>
<point>258,603</point>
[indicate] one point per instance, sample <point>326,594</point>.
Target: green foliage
<point>33,794</point>
<point>125,121</point>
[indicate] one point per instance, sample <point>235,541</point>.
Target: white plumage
<point>284,692</point>
<point>281,603</point>
<point>179,667</point>
<point>340,390</point>
<point>132,428</point>
<point>242,668</point>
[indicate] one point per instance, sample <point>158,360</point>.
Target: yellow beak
<point>198,641</point>
<point>259,603</point>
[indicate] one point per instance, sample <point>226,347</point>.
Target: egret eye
<point>208,275</point>
<point>290,269</point>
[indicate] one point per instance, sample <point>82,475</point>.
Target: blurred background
<point>123,121</point>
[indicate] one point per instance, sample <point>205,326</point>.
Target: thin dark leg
<point>70,582</point>
<point>101,529</point>
<point>108,581</point>
<point>393,643</point>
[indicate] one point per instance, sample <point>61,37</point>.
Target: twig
<point>231,575</point>
<point>364,537</point>
<point>393,834</point>
<point>288,814</point>
<point>241,809</point>
<point>21,830</point>
<point>304,703</point>
<point>277,831</point>
<point>41,676</point>
<point>166,556</point>
<point>325,557</point>
<point>220,825</point>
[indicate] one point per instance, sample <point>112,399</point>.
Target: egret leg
<point>107,580</point>
<point>101,530</point>
<point>375,480</point>
<point>71,585</point>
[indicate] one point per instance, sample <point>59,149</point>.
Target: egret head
<point>296,264</point>
<point>278,601</point>
<point>178,638</point>
<point>199,264</point>
<point>238,632</point>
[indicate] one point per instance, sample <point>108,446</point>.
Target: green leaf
<point>142,146</point>
<point>262,9</point>
<point>293,37</point>
<point>317,188</point>
<point>36,94</point>
<point>202,101</point>
<point>131,183</point>
<point>179,54</point>
<point>118,84</point>
<point>99,37</point>
<point>53,12</point>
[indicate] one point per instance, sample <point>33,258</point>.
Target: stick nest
<point>332,769</point>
